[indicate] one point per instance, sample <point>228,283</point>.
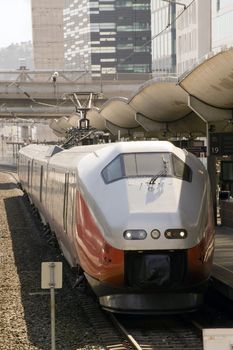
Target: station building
<point>222,18</point>
<point>193,33</point>
<point>181,37</point>
<point>202,27</point>
<point>163,40</point>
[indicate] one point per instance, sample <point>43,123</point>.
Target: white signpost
<point>218,339</point>
<point>51,278</point>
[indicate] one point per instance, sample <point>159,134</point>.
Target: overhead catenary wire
<point>35,101</point>
<point>161,32</point>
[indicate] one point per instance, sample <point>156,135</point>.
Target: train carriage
<point>135,216</point>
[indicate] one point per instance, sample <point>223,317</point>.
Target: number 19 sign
<point>221,143</point>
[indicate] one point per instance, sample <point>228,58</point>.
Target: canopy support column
<point>209,114</point>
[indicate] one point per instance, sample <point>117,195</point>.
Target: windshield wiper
<point>161,173</point>
<point>155,177</point>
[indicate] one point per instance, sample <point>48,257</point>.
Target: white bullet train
<point>136,217</point>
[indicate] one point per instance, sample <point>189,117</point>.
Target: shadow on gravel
<point>30,249</point>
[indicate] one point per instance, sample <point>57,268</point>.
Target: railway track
<point>125,332</point>
<point>81,322</point>
<point>174,332</point>
<point>162,333</point>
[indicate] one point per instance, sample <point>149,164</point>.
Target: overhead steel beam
<point>45,93</point>
<point>206,112</point>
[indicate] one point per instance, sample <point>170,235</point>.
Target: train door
<point>31,179</point>
<point>41,182</point>
<point>48,198</point>
<point>29,171</point>
<point>34,188</point>
<point>45,184</point>
<point>65,203</point>
<point>52,192</point>
<point>71,205</point>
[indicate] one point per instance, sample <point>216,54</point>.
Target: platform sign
<point>221,143</point>
<point>51,274</point>
<point>218,339</point>
<point>194,146</point>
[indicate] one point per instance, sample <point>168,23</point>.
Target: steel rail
<point>124,332</point>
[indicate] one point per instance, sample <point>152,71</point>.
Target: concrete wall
<point>47,31</point>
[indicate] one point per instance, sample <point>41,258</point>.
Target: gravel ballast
<point>24,306</point>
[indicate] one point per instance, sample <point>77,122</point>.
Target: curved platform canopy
<point>166,107</point>
<point>210,88</point>
<point>159,108</point>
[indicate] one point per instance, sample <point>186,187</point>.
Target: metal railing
<point>75,76</point>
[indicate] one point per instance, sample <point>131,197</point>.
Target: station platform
<point>222,274</point>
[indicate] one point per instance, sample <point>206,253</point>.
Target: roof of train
<point>66,157</point>
<point>126,146</point>
<point>35,151</point>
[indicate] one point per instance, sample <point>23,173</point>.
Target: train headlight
<point>176,234</point>
<point>135,234</point>
<point>155,234</point>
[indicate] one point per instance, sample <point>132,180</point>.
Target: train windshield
<point>145,165</point>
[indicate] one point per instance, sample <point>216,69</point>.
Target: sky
<point>15,21</point>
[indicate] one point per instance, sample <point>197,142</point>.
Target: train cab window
<point>138,165</point>
<point>114,170</point>
<point>181,170</point>
<point>147,164</point>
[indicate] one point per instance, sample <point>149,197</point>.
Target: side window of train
<point>181,169</point>
<point>41,181</point>
<point>65,202</point>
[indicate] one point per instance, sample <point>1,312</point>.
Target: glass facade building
<point>76,18</point>
<point>163,31</point>
<point>108,36</point>
<point>222,23</point>
<point>204,25</point>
